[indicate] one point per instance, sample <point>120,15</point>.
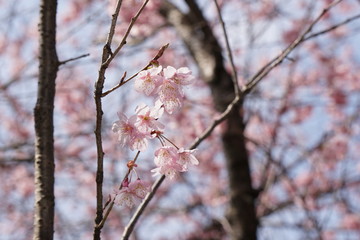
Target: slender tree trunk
<point>43,113</point>
<point>207,52</point>
<point>241,210</point>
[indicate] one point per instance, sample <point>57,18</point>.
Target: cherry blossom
<point>140,188</point>
<point>166,83</point>
<point>170,94</point>
<point>186,157</point>
<point>147,80</point>
<point>147,117</point>
<point>166,160</point>
<point>139,142</point>
<point>129,135</point>
<point>181,76</point>
<point>170,161</point>
<point>132,193</point>
<point>170,91</point>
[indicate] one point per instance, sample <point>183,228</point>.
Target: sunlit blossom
<point>147,118</point>
<point>170,161</point>
<point>181,76</point>
<point>186,157</point>
<point>147,80</point>
<point>132,193</point>
<point>128,134</point>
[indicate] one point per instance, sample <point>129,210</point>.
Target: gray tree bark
<point>197,35</point>
<point>43,114</point>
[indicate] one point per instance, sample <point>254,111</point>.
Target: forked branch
<point>246,89</point>
<point>107,57</point>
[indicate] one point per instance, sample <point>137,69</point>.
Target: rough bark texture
<point>207,52</point>
<point>43,113</point>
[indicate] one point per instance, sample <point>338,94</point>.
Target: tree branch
<point>107,57</point>
<point>123,41</point>
<point>264,71</point>
<point>73,59</point>
<point>130,227</point>
<point>346,21</point>
<point>261,74</point>
<point>122,81</point>
<point>228,49</point>
<point>44,124</point>
<point>99,85</point>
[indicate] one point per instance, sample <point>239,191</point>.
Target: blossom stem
<point>161,140</point>
<point>169,141</point>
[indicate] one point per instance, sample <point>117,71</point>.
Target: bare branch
<point>130,227</point>
<point>44,124</point>
<point>234,72</point>
<point>116,87</point>
<point>110,203</point>
<point>123,41</point>
<point>263,72</point>
<point>99,85</point>
<point>346,21</point>
<point>73,59</point>
<point>244,91</point>
<point>122,82</point>
<point>113,23</point>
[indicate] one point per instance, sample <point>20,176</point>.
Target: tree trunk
<point>43,114</point>
<point>207,53</point>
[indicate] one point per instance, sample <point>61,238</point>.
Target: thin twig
<point>110,206</point>
<point>216,122</point>
<point>122,81</point>
<point>116,87</point>
<point>346,21</point>
<point>245,90</point>
<point>73,59</point>
<point>113,23</point>
<point>130,227</point>
<point>228,48</point>
<point>107,57</point>
<point>123,41</point>
<point>278,60</point>
<point>99,85</point>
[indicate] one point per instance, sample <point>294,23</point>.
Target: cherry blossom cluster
<point>170,161</point>
<point>166,84</point>
<point>135,131</point>
<point>132,193</point>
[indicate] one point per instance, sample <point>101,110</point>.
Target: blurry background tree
<point>285,161</point>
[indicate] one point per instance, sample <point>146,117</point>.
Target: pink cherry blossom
<point>129,135</point>
<point>170,94</point>
<point>127,198</point>
<point>181,76</point>
<point>147,118</point>
<point>167,83</point>
<point>166,160</point>
<point>165,155</point>
<point>125,128</point>
<point>170,161</point>
<point>132,193</point>
<point>147,80</point>
<point>139,141</point>
<point>169,170</point>
<point>139,188</point>
<point>186,157</point>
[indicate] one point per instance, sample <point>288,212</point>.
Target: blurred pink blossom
<point>147,80</point>
<point>181,76</point>
<point>147,117</point>
<point>132,193</point>
<point>129,135</point>
<point>170,161</point>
